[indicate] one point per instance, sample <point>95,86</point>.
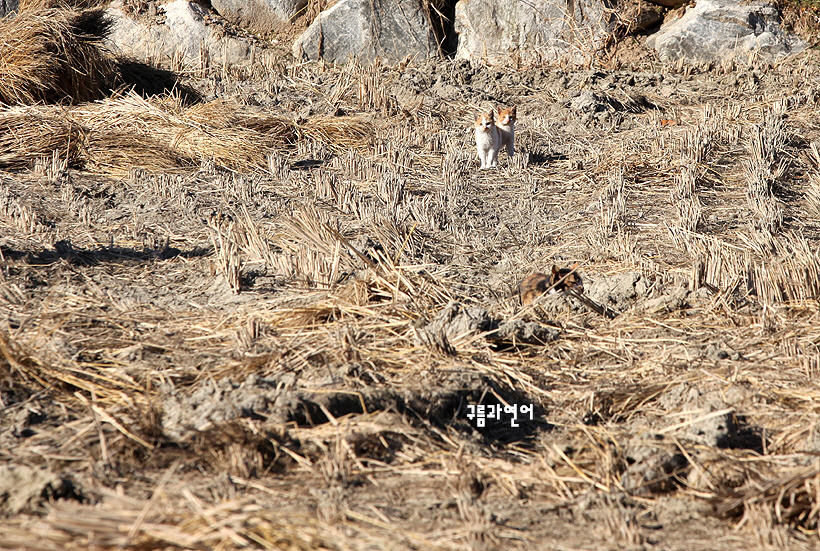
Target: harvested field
<point>261,321</point>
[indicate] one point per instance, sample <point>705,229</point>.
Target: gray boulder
<point>181,29</point>
<point>536,30</point>
<point>259,16</point>
<point>368,29</point>
<point>715,30</point>
<point>671,4</point>
<point>8,6</point>
<point>25,489</point>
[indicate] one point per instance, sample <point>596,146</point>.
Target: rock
<point>259,16</point>
<point>538,30</point>
<point>408,99</point>
<point>654,465</point>
<point>187,31</point>
<point>8,6</point>
<point>25,489</point>
<point>389,30</point>
<point>557,304</point>
<point>214,403</point>
<point>643,20</point>
<point>671,4</point>
<point>712,419</point>
<point>618,291</point>
<point>664,304</point>
<point>715,30</point>
<point>587,102</point>
<point>518,331</point>
<point>456,322</point>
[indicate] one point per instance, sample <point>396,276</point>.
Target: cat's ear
<point>575,266</point>
<point>554,269</point>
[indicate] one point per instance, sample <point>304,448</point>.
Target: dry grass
<point>115,135</point>
<point>55,55</point>
<point>118,152</point>
<point>36,5</point>
<point>167,122</point>
<point>342,133</point>
<point>29,134</point>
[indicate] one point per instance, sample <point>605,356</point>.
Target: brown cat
<point>506,124</point>
<point>563,279</point>
<point>487,140</point>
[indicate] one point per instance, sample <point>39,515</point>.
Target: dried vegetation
<point>55,55</point>
<point>225,326</point>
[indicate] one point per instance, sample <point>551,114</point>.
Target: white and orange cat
<point>487,139</point>
<point>506,124</point>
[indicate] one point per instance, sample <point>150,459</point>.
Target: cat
<point>563,279</point>
<point>487,139</point>
<point>506,124</point>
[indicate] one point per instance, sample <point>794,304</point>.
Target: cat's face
<point>485,121</point>
<point>571,279</point>
<point>506,116</point>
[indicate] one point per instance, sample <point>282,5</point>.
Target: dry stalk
<point>118,153</point>
<point>812,191</point>
<point>373,92</point>
<point>790,273</point>
<point>612,204</point>
<point>117,134</point>
<point>310,250</point>
<point>228,261</point>
<point>717,263</point>
<point>278,166</point>
<point>452,168</point>
<point>696,145</point>
<point>765,166</point>
<point>790,500</point>
<point>20,215</point>
<point>685,199</point>
<point>390,189</point>
<point>622,524</point>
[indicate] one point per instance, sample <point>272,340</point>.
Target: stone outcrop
<point>8,6</point>
<point>369,29</point>
<point>180,30</point>
<point>536,30</point>
<point>258,16</point>
<point>715,30</point>
<point>671,4</point>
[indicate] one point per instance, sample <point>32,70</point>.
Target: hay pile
<point>113,135</point>
<point>55,55</point>
<point>28,134</point>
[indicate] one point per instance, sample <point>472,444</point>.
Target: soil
<point>167,382</point>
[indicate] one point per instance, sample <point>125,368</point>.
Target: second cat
<point>506,124</point>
